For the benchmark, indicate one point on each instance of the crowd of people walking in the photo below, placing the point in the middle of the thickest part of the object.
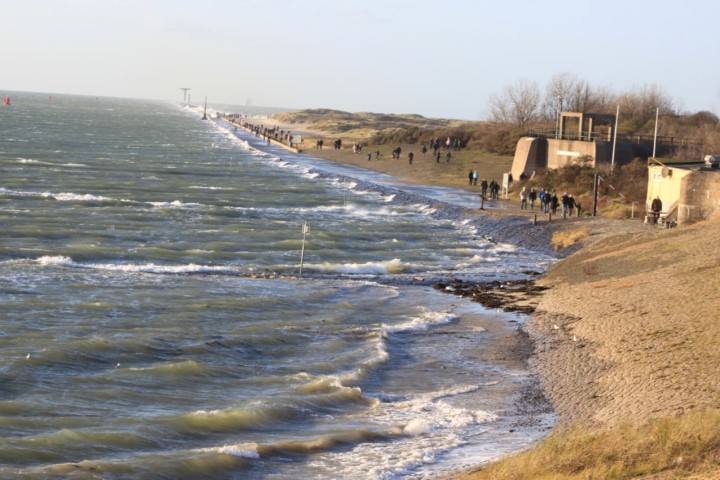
(492, 187)
(549, 202)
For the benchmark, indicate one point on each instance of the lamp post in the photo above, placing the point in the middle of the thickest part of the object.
(557, 120)
(657, 114)
(612, 159)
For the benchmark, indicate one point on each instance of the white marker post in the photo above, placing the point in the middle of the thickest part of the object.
(305, 230)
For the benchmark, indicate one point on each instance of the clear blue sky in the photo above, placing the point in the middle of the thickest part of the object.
(436, 58)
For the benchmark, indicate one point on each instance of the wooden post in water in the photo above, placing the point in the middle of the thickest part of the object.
(305, 230)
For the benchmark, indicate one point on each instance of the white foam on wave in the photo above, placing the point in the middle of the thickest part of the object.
(31, 161)
(332, 386)
(134, 268)
(421, 322)
(376, 268)
(368, 212)
(379, 355)
(53, 260)
(479, 259)
(320, 208)
(206, 187)
(241, 450)
(65, 196)
(416, 426)
(173, 204)
(424, 209)
(428, 426)
(70, 197)
(155, 268)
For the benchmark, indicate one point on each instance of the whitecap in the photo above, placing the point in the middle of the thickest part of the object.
(420, 322)
(53, 260)
(69, 197)
(242, 450)
(376, 268)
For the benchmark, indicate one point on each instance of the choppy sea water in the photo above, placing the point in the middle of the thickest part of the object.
(153, 323)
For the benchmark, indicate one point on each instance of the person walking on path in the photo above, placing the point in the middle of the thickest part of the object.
(564, 200)
(533, 196)
(523, 199)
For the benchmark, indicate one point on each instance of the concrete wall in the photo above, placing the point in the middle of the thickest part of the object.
(695, 193)
(530, 156)
(700, 196)
(668, 188)
(566, 152)
(537, 154)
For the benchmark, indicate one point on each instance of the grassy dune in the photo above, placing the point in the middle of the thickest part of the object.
(687, 446)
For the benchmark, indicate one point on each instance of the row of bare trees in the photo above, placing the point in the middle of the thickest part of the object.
(524, 104)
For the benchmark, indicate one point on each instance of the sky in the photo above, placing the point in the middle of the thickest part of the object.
(430, 57)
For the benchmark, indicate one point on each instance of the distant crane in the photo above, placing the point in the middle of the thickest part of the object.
(185, 94)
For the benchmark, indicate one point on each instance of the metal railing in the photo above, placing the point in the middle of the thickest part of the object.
(589, 136)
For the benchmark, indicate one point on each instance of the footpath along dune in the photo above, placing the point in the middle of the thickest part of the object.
(628, 329)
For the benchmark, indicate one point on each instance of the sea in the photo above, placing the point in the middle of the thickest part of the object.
(181, 300)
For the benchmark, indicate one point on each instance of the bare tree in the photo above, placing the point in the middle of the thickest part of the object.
(602, 100)
(641, 103)
(558, 92)
(582, 97)
(567, 92)
(518, 105)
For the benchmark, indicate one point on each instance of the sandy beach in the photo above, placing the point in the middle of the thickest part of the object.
(425, 169)
(627, 328)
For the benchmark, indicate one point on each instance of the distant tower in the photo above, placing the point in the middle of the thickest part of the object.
(185, 95)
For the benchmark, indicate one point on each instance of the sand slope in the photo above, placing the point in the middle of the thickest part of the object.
(630, 328)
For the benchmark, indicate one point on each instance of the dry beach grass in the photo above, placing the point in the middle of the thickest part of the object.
(627, 338)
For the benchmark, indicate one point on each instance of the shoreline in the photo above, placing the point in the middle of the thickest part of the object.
(607, 348)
